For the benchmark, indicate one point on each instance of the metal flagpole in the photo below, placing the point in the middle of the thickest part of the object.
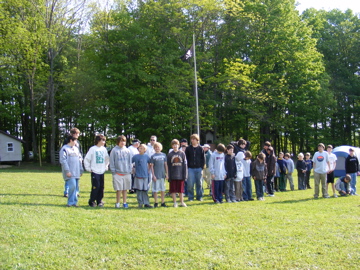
(196, 90)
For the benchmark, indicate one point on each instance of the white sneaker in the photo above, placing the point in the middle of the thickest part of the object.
(175, 205)
(335, 196)
(117, 205)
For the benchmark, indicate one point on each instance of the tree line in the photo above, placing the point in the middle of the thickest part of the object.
(264, 72)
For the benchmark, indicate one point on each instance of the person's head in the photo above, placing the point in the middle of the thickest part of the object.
(220, 148)
(307, 155)
(175, 145)
(261, 157)
(267, 144)
(153, 140)
(248, 155)
(351, 152)
(240, 156)
(329, 148)
(121, 141)
(281, 154)
(270, 150)
(142, 149)
(100, 140)
(158, 147)
(230, 149)
(300, 156)
(75, 132)
(347, 178)
(194, 139)
(287, 155)
(71, 140)
(321, 147)
(206, 147)
(242, 143)
(136, 143)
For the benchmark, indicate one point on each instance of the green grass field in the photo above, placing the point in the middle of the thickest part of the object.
(288, 231)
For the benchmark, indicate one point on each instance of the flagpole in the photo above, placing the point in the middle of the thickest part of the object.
(196, 90)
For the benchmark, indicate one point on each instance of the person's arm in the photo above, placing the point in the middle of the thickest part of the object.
(87, 160)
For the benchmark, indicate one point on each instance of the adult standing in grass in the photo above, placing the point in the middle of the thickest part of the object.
(330, 178)
(141, 182)
(96, 162)
(195, 157)
(121, 167)
(159, 171)
(351, 168)
(177, 172)
(72, 169)
(259, 172)
(321, 163)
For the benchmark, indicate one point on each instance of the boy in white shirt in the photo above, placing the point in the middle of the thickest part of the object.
(321, 165)
(97, 161)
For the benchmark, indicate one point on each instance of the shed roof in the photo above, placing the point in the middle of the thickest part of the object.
(13, 137)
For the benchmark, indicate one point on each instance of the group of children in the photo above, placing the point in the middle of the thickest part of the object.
(230, 172)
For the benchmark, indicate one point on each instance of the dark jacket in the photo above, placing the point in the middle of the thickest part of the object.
(195, 157)
(230, 166)
(300, 166)
(259, 170)
(282, 165)
(351, 164)
(271, 164)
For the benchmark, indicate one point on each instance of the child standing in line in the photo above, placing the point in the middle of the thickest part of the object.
(218, 172)
(282, 169)
(276, 177)
(247, 194)
(309, 166)
(96, 162)
(141, 181)
(239, 191)
(159, 171)
(72, 169)
(259, 172)
(121, 167)
(290, 170)
(230, 168)
(178, 172)
(301, 169)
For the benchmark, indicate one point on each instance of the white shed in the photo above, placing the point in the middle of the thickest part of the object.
(10, 148)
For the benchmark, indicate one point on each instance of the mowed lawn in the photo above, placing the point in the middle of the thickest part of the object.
(288, 231)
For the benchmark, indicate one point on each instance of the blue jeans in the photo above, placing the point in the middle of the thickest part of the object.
(353, 182)
(247, 194)
(218, 190)
(259, 186)
(66, 188)
(194, 178)
(343, 187)
(72, 195)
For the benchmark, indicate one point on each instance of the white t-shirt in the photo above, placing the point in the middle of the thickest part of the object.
(320, 162)
(96, 160)
(332, 161)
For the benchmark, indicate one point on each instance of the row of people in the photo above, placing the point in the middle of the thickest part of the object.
(230, 174)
